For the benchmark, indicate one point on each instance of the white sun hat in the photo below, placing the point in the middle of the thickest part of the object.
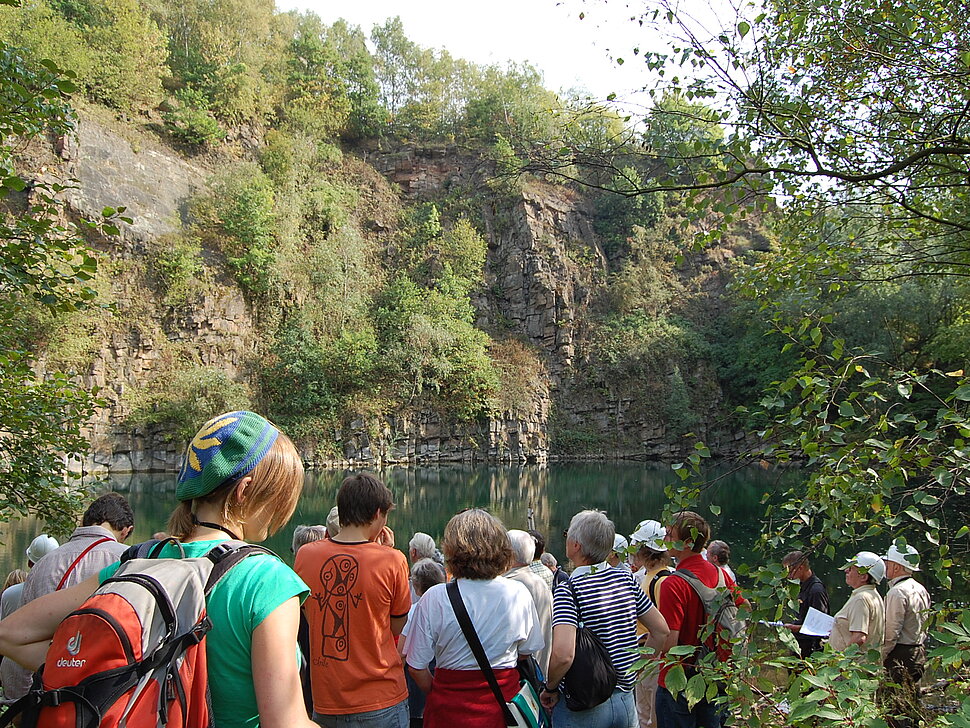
(906, 556)
(40, 547)
(868, 563)
(650, 534)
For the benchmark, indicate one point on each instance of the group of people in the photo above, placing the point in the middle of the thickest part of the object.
(381, 640)
(894, 625)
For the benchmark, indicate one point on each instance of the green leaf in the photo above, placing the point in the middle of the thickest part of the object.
(743, 28)
(695, 691)
(676, 680)
(14, 183)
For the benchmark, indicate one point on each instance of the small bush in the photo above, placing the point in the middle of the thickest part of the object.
(177, 263)
(181, 400)
(191, 121)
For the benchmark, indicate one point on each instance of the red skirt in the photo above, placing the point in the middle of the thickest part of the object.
(463, 698)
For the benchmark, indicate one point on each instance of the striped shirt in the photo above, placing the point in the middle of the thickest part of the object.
(610, 603)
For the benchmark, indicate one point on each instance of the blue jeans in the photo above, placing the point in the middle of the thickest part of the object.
(673, 713)
(394, 717)
(618, 712)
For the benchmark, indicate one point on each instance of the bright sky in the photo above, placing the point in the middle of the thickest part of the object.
(571, 52)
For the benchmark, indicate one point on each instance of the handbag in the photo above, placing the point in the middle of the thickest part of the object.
(524, 710)
(591, 679)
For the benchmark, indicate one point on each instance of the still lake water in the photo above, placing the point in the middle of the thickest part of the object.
(426, 497)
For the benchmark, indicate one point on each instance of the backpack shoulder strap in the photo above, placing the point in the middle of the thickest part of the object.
(150, 549)
(655, 582)
(226, 555)
(706, 594)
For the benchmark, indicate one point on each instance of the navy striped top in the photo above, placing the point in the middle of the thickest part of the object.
(610, 602)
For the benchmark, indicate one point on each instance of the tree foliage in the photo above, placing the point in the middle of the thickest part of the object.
(847, 125)
(45, 260)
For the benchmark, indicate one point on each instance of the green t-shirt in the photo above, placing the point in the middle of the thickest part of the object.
(241, 600)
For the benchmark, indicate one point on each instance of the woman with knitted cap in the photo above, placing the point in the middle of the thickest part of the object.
(240, 481)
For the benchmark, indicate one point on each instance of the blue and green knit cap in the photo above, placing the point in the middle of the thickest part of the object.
(227, 448)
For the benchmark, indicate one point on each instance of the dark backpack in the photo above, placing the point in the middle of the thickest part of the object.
(655, 582)
(133, 654)
(591, 679)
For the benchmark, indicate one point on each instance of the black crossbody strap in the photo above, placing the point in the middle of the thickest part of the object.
(579, 614)
(471, 636)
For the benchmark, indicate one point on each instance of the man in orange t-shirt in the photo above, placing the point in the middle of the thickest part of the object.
(358, 604)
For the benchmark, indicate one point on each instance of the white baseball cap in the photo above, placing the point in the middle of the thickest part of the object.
(650, 534)
(868, 563)
(906, 556)
(40, 547)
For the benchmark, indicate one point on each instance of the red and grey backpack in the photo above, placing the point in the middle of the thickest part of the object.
(133, 654)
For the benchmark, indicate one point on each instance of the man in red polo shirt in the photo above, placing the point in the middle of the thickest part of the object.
(683, 609)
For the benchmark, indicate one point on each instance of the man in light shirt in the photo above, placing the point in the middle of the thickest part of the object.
(523, 548)
(862, 620)
(903, 652)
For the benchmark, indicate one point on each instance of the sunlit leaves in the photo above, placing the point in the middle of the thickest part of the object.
(42, 258)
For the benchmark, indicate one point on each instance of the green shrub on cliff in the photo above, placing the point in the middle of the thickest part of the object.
(177, 263)
(190, 120)
(181, 398)
(238, 218)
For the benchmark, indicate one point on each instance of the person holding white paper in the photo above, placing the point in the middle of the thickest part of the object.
(812, 595)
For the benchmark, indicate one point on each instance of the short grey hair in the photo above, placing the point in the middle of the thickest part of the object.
(594, 533)
(423, 545)
(425, 573)
(523, 546)
(718, 552)
(302, 535)
(548, 560)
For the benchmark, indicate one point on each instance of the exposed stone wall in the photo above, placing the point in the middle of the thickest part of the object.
(542, 260)
(133, 170)
(543, 269)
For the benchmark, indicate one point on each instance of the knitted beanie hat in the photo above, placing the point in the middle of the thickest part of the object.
(226, 448)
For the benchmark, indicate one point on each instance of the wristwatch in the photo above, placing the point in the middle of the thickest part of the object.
(547, 689)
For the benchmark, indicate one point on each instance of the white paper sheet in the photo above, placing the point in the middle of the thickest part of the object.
(817, 624)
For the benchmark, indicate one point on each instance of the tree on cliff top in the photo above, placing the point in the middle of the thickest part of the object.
(864, 106)
(44, 259)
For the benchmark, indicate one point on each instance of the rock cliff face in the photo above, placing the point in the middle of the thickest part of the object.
(543, 267)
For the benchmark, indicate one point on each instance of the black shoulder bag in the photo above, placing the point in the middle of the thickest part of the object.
(591, 679)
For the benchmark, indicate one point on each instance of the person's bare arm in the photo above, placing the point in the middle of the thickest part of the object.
(560, 660)
(857, 638)
(276, 675)
(26, 634)
(654, 621)
(397, 624)
(422, 678)
(673, 639)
